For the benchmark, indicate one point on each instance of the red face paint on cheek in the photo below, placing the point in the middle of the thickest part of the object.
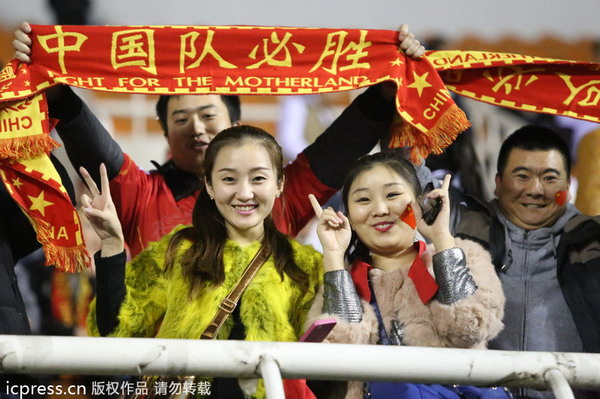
(408, 217)
(561, 197)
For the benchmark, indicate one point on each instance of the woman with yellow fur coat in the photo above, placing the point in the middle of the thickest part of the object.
(174, 287)
(445, 294)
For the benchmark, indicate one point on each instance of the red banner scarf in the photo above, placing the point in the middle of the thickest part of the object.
(523, 82)
(35, 185)
(263, 60)
(418, 273)
(196, 60)
(254, 60)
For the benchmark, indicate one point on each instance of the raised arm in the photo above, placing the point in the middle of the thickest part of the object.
(360, 126)
(86, 141)
(339, 296)
(468, 309)
(323, 165)
(110, 261)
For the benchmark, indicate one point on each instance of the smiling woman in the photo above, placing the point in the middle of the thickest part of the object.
(401, 291)
(244, 186)
(177, 286)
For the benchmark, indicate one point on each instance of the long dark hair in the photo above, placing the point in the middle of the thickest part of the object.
(202, 263)
(391, 159)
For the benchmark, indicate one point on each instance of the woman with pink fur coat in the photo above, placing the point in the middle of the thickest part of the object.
(445, 294)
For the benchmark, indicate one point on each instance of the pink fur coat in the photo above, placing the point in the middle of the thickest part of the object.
(467, 323)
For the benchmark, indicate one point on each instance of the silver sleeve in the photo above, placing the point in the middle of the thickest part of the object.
(340, 297)
(452, 276)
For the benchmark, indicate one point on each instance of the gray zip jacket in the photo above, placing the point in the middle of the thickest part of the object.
(536, 316)
(534, 300)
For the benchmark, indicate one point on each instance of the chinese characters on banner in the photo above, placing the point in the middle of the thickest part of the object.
(256, 60)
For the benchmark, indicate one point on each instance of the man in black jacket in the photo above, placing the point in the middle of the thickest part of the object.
(17, 239)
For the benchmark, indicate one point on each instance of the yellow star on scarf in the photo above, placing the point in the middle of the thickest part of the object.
(420, 82)
(27, 83)
(397, 62)
(17, 183)
(39, 203)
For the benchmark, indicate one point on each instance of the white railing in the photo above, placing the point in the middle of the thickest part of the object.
(273, 360)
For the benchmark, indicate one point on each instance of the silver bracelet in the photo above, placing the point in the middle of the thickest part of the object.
(452, 276)
(340, 297)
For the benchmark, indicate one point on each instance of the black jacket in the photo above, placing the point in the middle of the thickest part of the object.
(579, 276)
(17, 239)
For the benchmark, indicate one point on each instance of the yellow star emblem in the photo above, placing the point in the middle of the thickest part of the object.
(17, 183)
(420, 82)
(39, 203)
(397, 62)
(27, 83)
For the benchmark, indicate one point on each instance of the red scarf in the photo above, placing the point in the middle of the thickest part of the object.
(418, 273)
(255, 60)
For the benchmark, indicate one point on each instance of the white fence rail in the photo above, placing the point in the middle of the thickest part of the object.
(273, 360)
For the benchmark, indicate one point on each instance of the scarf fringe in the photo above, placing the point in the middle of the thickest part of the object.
(66, 259)
(27, 147)
(433, 141)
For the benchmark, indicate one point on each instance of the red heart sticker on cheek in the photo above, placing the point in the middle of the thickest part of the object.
(408, 217)
(561, 197)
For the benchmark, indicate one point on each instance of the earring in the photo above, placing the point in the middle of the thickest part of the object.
(277, 195)
(211, 198)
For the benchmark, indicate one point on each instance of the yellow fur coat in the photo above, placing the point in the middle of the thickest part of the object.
(157, 303)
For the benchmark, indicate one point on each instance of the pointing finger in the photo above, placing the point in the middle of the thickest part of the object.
(446, 183)
(316, 206)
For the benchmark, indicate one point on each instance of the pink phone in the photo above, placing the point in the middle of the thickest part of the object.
(318, 330)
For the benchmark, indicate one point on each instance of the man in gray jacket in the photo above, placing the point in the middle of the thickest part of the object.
(542, 247)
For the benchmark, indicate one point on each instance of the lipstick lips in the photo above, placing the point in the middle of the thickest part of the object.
(382, 227)
(245, 209)
(408, 217)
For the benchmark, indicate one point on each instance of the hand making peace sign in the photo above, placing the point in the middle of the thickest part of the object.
(101, 213)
